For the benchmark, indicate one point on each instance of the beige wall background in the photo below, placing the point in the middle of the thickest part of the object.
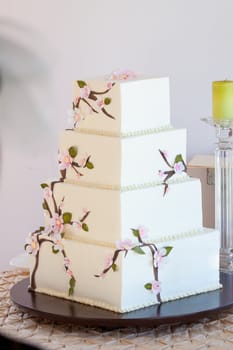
(44, 45)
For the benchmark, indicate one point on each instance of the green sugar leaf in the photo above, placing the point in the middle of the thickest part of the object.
(72, 282)
(107, 101)
(135, 232)
(55, 251)
(73, 151)
(168, 250)
(178, 158)
(67, 218)
(89, 165)
(44, 185)
(138, 250)
(85, 227)
(148, 286)
(41, 228)
(72, 285)
(114, 267)
(81, 83)
(44, 206)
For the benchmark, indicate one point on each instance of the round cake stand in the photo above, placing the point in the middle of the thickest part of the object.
(183, 310)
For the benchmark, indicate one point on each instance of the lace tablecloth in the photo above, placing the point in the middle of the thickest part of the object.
(215, 332)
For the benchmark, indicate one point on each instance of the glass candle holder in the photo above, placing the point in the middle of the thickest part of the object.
(224, 189)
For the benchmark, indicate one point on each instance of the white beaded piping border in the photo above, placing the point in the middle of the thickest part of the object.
(123, 134)
(119, 310)
(180, 179)
(165, 238)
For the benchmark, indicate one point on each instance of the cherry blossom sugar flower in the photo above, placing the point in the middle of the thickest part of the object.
(156, 287)
(109, 84)
(65, 160)
(47, 193)
(69, 272)
(179, 167)
(122, 74)
(85, 91)
(159, 255)
(143, 232)
(75, 117)
(161, 173)
(100, 103)
(126, 244)
(67, 262)
(85, 211)
(76, 100)
(32, 245)
(77, 225)
(56, 224)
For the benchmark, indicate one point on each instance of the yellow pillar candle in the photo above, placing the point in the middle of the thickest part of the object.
(222, 99)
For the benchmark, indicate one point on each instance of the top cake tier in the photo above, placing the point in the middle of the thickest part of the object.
(121, 107)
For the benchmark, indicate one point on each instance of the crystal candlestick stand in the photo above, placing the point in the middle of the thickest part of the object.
(224, 190)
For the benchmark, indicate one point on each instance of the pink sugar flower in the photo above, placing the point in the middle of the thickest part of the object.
(159, 257)
(143, 232)
(122, 74)
(126, 244)
(109, 85)
(56, 224)
(69, 272)
(179, 167)
(67, 262)
(64, 160)
(32, 245)
(85, 92)
(156, 287)
(77, 116)
(100, 103)
(77, 225)
(85, 211)
(161, 173)
(76, 100)
(47, 193)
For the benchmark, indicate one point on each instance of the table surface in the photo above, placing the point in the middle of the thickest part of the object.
(214, 332)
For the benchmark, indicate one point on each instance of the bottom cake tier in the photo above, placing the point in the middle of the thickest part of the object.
(133, 274)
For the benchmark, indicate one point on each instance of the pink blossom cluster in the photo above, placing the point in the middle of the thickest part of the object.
(158, 257)
(32, 244)
(56, 226)
(179, 167)
(122, 74)
(67, 263)
(126, 244)
(47, 193)
(64, 160)
(156, 287)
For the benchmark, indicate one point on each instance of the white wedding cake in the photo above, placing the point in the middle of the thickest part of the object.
(123, 225)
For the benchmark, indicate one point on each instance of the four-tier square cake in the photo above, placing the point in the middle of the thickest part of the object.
(123, 224)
